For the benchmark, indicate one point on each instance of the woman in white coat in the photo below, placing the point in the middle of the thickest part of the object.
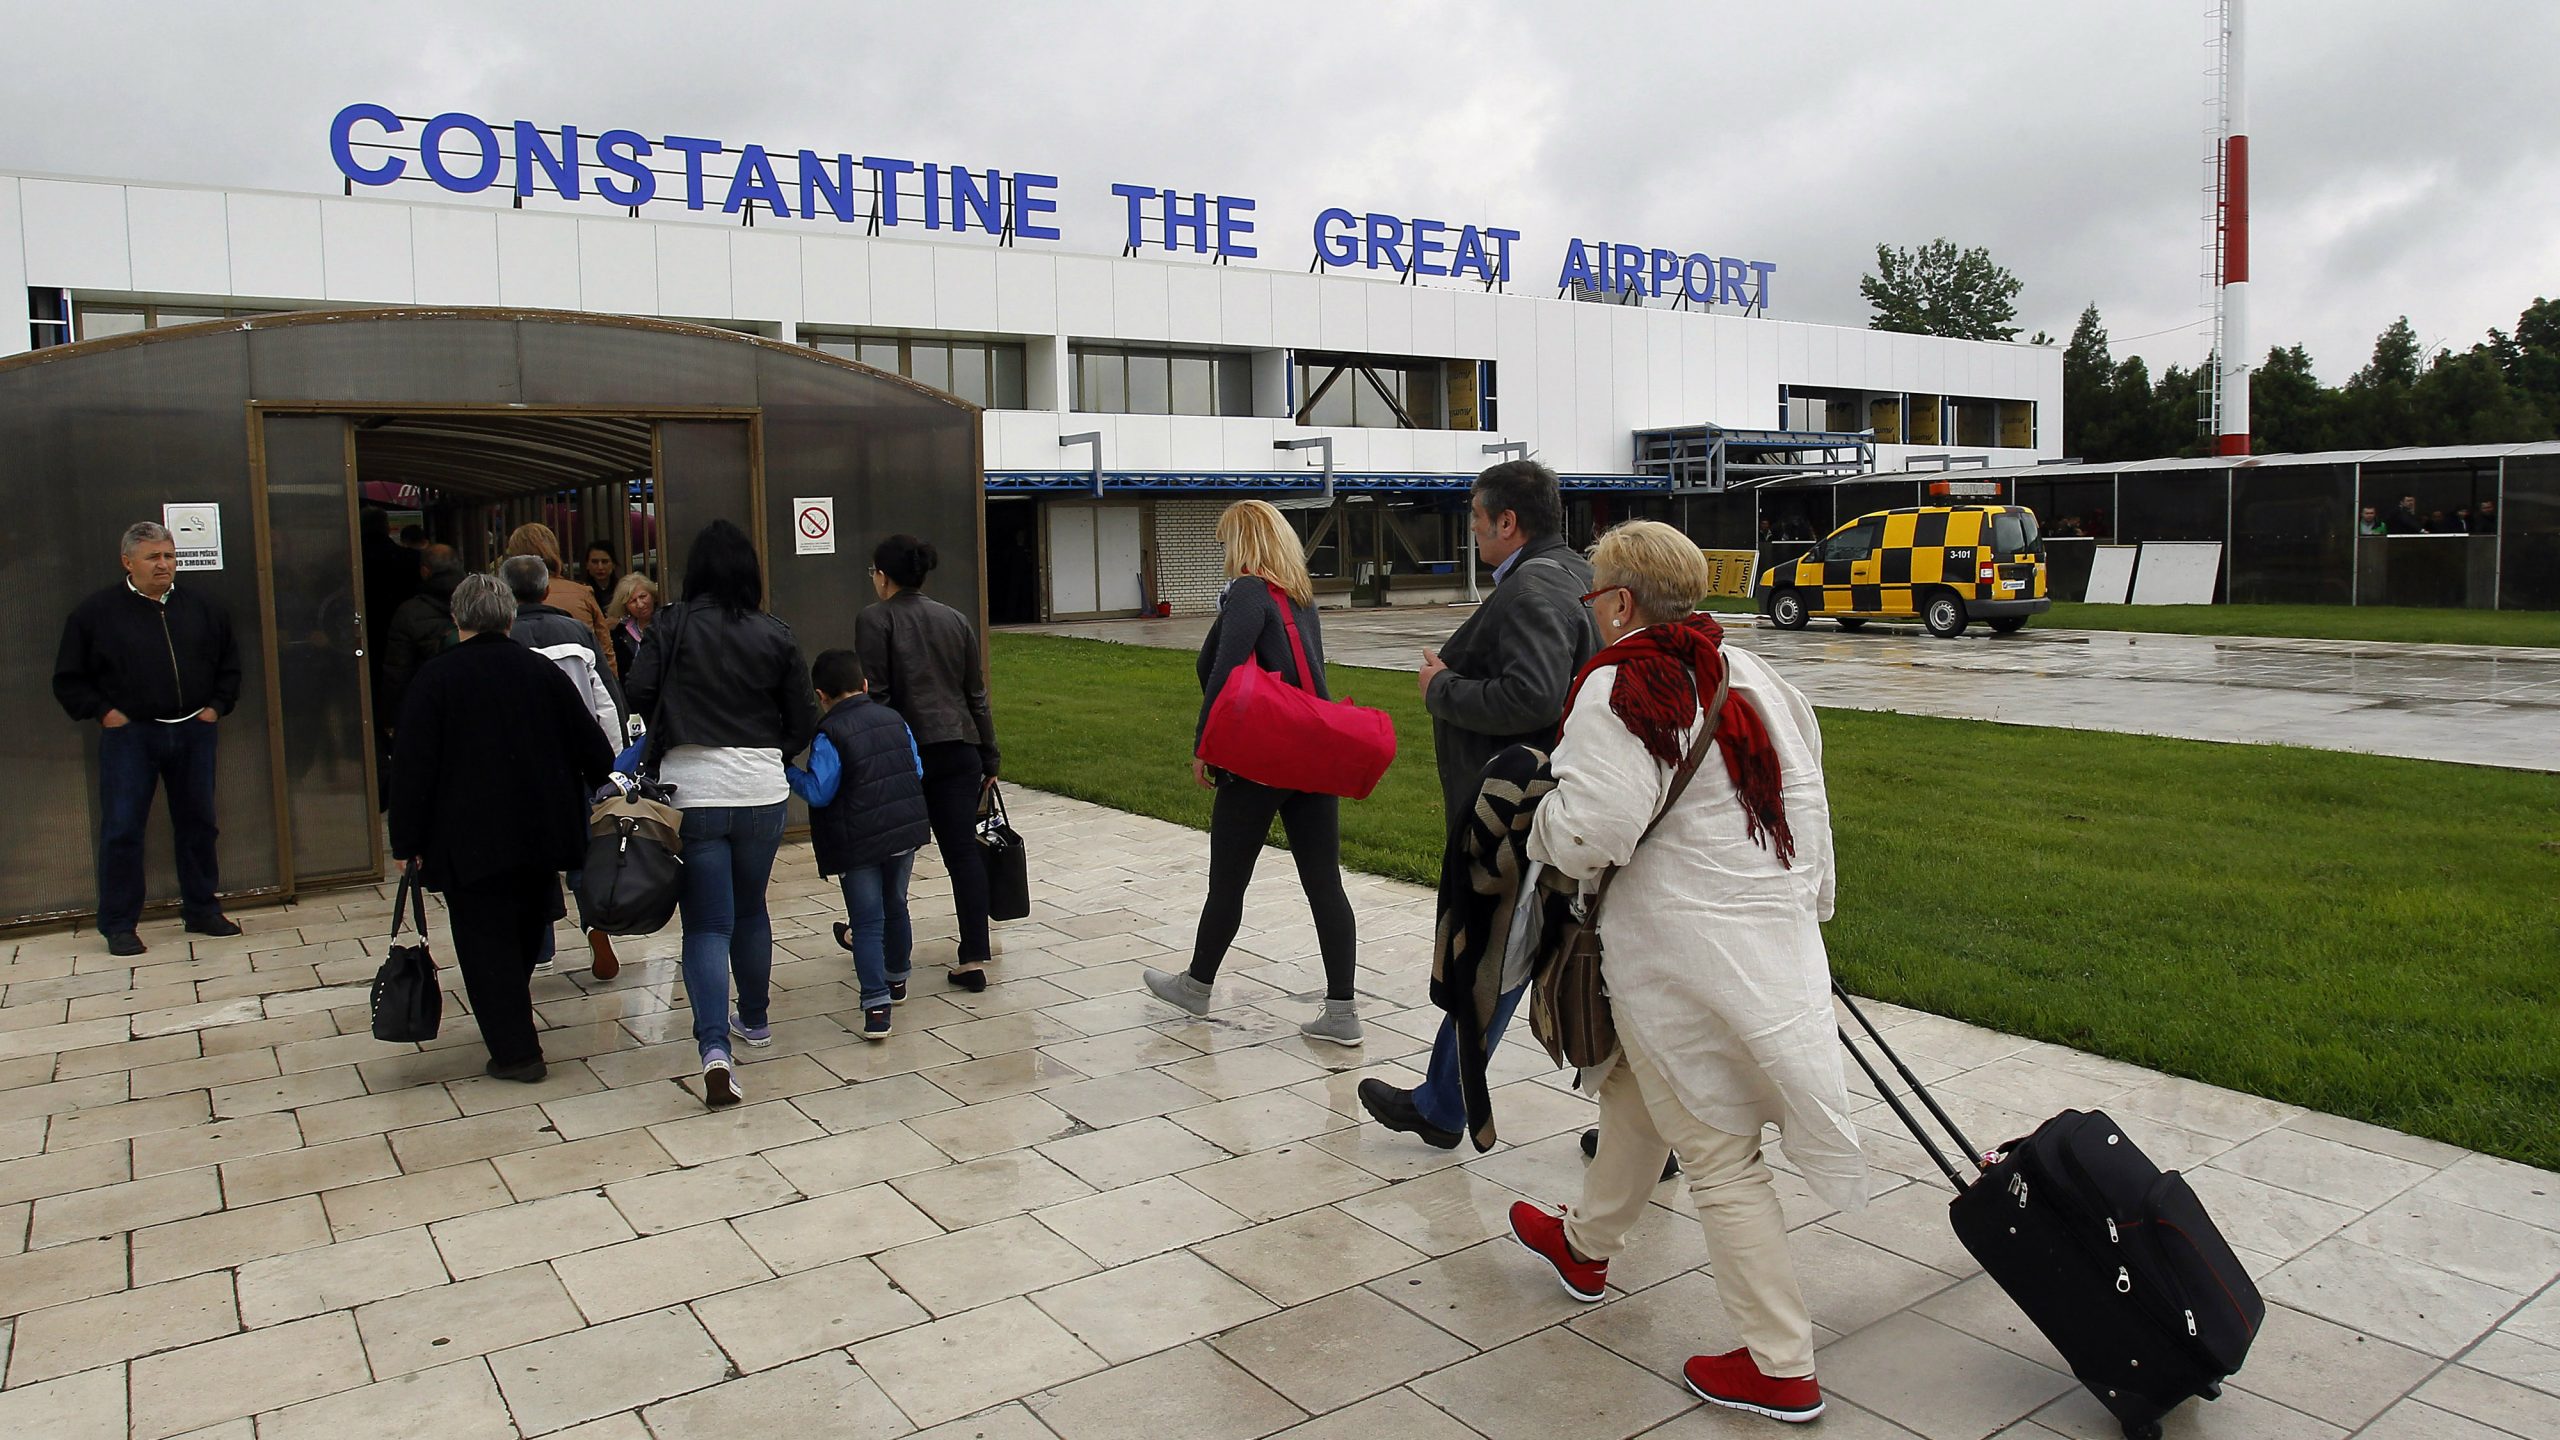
(1712, 957)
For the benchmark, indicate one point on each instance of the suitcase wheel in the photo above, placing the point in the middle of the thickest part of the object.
(2147, 1430)
(2211, 1391)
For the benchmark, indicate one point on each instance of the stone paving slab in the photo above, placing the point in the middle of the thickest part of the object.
(1060, 1209)
(2472, 704)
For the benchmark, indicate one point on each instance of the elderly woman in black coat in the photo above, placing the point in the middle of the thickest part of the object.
(495, 759)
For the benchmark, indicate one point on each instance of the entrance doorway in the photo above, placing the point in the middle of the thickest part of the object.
(1097, 560)
(473, 476)
(1013, 560)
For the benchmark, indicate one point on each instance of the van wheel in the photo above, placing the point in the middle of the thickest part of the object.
(1786, 610)
(1944, 615)
(2009, 626)
(1847, 624)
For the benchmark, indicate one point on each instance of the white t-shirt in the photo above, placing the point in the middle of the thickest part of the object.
(707, 776)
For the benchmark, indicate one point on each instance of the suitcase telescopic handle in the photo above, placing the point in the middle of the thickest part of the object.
(1910, 1121)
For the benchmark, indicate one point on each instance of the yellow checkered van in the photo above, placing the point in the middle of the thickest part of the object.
(1945, 566)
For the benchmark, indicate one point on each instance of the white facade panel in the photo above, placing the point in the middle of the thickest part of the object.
(1793, 362)
(1663, 371)
(835, 280)
(1761, 409)
(964, 288)
(764, 275)
(181, 241)
(1557, 381)
(1295, 319)
(692, 272)
(1140, 306)
(14, 319)
(902, 287)
(1390, 321)
(75, 235)
(275, 247)
(538, 261)
(1244, 307)
(364, 247)
(1435, 322)
(1192, 297)
(618, 268)
(1026, 293)
(1146, 443)
(453, 255)
(1342, 314)
(1084, 296)
(1479, 324)
(1195, 441)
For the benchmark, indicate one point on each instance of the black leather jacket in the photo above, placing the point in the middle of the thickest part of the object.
(920, 657)
(736, 680)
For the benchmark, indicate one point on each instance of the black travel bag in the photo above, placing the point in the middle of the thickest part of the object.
(2113, 1259)
(408, 1006)
(1008, 867)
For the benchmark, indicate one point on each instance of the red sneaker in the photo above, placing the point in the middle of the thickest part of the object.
(1732, 1379)
(1584, 1280)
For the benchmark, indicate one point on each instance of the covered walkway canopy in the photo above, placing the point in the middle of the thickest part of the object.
(629, 431)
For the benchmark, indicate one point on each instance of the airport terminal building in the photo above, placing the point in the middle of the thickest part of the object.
(1126, 399)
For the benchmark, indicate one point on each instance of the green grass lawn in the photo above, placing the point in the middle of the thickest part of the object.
(2374, 937)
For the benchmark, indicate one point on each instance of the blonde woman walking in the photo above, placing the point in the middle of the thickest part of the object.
(1270, 571)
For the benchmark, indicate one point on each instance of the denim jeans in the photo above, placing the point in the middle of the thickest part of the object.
(728, 857)
(1441, 1099)
(133, 760)
(875, 912)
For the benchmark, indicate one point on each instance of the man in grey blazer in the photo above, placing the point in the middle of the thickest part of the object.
(1500, 681)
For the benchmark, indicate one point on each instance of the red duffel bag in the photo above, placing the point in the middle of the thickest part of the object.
(1273, 733)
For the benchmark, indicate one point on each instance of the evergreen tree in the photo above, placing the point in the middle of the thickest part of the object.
(2088, 372)
(2466, 400)
(2290, 411)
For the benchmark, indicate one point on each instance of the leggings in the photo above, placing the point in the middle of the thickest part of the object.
(1238, 823)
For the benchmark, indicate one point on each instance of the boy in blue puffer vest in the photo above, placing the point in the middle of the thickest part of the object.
(866, 818)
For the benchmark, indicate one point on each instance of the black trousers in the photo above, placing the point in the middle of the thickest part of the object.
(1239, 821)
(953, 781)
(498, 927)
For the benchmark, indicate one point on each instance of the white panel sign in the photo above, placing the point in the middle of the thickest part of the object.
(2110, 574)
(813, 525)
(198, 531)
(2177, 572)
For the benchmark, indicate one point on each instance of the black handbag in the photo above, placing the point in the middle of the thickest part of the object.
(634, 872)
(408, 1005)
(1568, 1003)
(1008, 869)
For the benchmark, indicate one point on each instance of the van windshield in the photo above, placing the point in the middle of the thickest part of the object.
(2013, 532)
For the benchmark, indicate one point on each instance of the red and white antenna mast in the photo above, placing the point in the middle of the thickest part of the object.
(2230, 239)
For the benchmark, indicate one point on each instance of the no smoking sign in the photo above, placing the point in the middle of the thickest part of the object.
(813, 524)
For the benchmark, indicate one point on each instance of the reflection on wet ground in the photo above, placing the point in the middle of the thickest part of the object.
(2479, 705)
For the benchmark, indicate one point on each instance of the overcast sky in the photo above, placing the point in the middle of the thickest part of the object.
(2403, 163)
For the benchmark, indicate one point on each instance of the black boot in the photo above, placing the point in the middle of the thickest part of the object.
(1394, 1109)
(1591, 1149)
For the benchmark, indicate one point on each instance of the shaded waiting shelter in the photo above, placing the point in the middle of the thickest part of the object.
(2288, 524)
(469, 422)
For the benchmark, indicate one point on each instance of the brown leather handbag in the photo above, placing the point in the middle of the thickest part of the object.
(1568, 1003)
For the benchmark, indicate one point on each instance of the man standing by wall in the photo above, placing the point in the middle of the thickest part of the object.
(156, 666)
(1500, 681)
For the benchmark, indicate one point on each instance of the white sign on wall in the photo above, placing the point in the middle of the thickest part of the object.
(198, 531)
(813, 525)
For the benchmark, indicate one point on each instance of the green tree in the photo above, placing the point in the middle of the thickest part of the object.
(2466, 400)
(1939, 290)
(2088, 374)
(2377, 409)
(2532, 357)
(2290, 411)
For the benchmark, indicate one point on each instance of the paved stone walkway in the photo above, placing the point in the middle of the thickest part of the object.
(1059, 1208)
(2476, 705)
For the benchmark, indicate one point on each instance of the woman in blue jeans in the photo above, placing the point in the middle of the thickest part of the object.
(728, 699)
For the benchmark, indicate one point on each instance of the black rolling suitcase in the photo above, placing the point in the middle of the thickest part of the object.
(2116, 1262)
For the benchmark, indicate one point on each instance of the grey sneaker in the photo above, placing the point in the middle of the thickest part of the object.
(1338, 1022)
(1179, 991)
(720, 1081)
(757, 1035)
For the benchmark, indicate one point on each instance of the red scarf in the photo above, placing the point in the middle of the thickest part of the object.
(1665, 673)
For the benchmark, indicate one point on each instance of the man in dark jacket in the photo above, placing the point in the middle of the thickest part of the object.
(422, 628)
(156, 666)
(489, 785)
(541, 625)
(1500, 681)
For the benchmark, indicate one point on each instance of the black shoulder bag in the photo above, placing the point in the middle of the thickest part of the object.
(408, 1005)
